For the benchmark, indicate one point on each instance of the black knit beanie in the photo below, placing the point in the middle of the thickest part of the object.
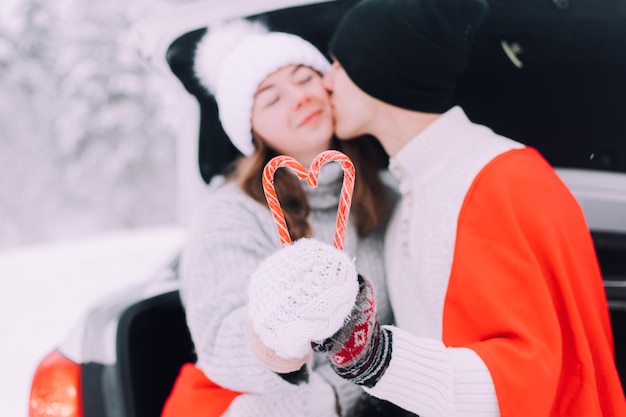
(408, 53)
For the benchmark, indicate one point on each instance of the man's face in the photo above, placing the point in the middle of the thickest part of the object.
(353, 108)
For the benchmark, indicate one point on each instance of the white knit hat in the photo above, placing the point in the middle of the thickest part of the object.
(233, 58)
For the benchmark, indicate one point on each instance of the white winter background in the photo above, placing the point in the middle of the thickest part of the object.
(87, 172)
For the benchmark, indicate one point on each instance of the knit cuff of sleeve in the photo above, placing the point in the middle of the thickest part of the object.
(427, 378)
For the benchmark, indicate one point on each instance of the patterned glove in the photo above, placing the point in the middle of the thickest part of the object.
(309, 294)
(360, 351)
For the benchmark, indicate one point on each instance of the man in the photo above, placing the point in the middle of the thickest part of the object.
(492, 274)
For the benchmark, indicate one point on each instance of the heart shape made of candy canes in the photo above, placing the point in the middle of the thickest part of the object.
(311, 175)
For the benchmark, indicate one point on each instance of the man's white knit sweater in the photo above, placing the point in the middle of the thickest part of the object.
(230, 235)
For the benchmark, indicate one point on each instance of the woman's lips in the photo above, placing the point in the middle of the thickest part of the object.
(311, 118)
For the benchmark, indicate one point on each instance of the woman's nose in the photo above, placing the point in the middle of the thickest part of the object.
(300, 96)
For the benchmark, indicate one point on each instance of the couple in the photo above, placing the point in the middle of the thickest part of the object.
(489, 268)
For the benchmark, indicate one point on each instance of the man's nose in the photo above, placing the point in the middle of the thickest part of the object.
(329, 79)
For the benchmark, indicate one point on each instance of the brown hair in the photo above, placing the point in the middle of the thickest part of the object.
(371, 200)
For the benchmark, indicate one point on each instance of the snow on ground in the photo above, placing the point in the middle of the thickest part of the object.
(44, 289)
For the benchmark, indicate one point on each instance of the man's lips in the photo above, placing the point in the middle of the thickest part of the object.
(311, 118)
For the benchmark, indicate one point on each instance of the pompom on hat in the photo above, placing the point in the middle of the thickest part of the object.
(234, 57)
(408, 53)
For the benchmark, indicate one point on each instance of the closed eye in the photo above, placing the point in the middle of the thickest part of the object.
(304, 80)
(271, 100)
(267, 97)
(302, 75)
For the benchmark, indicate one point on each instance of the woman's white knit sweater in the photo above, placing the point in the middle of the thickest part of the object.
(228, 238)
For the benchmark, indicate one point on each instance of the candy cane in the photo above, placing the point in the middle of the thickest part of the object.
(272, 197)
(347, 188)
(343, 211)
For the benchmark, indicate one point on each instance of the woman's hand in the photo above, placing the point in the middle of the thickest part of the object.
(271, 360)
(310, 294)
(303, 292)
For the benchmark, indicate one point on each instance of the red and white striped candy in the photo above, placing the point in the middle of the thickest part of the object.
(311, 175)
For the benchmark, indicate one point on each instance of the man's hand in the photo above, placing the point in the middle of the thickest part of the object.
(360, 351)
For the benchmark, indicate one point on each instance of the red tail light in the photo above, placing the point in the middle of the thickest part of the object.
(55, 390)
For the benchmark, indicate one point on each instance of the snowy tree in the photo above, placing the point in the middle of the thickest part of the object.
(85, 143)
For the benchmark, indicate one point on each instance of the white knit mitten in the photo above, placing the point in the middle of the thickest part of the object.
(309, 294)
(304, 292)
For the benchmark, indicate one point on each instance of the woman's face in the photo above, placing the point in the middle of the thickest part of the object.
(292, 113)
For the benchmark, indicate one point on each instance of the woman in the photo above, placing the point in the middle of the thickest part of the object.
(271, 101)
